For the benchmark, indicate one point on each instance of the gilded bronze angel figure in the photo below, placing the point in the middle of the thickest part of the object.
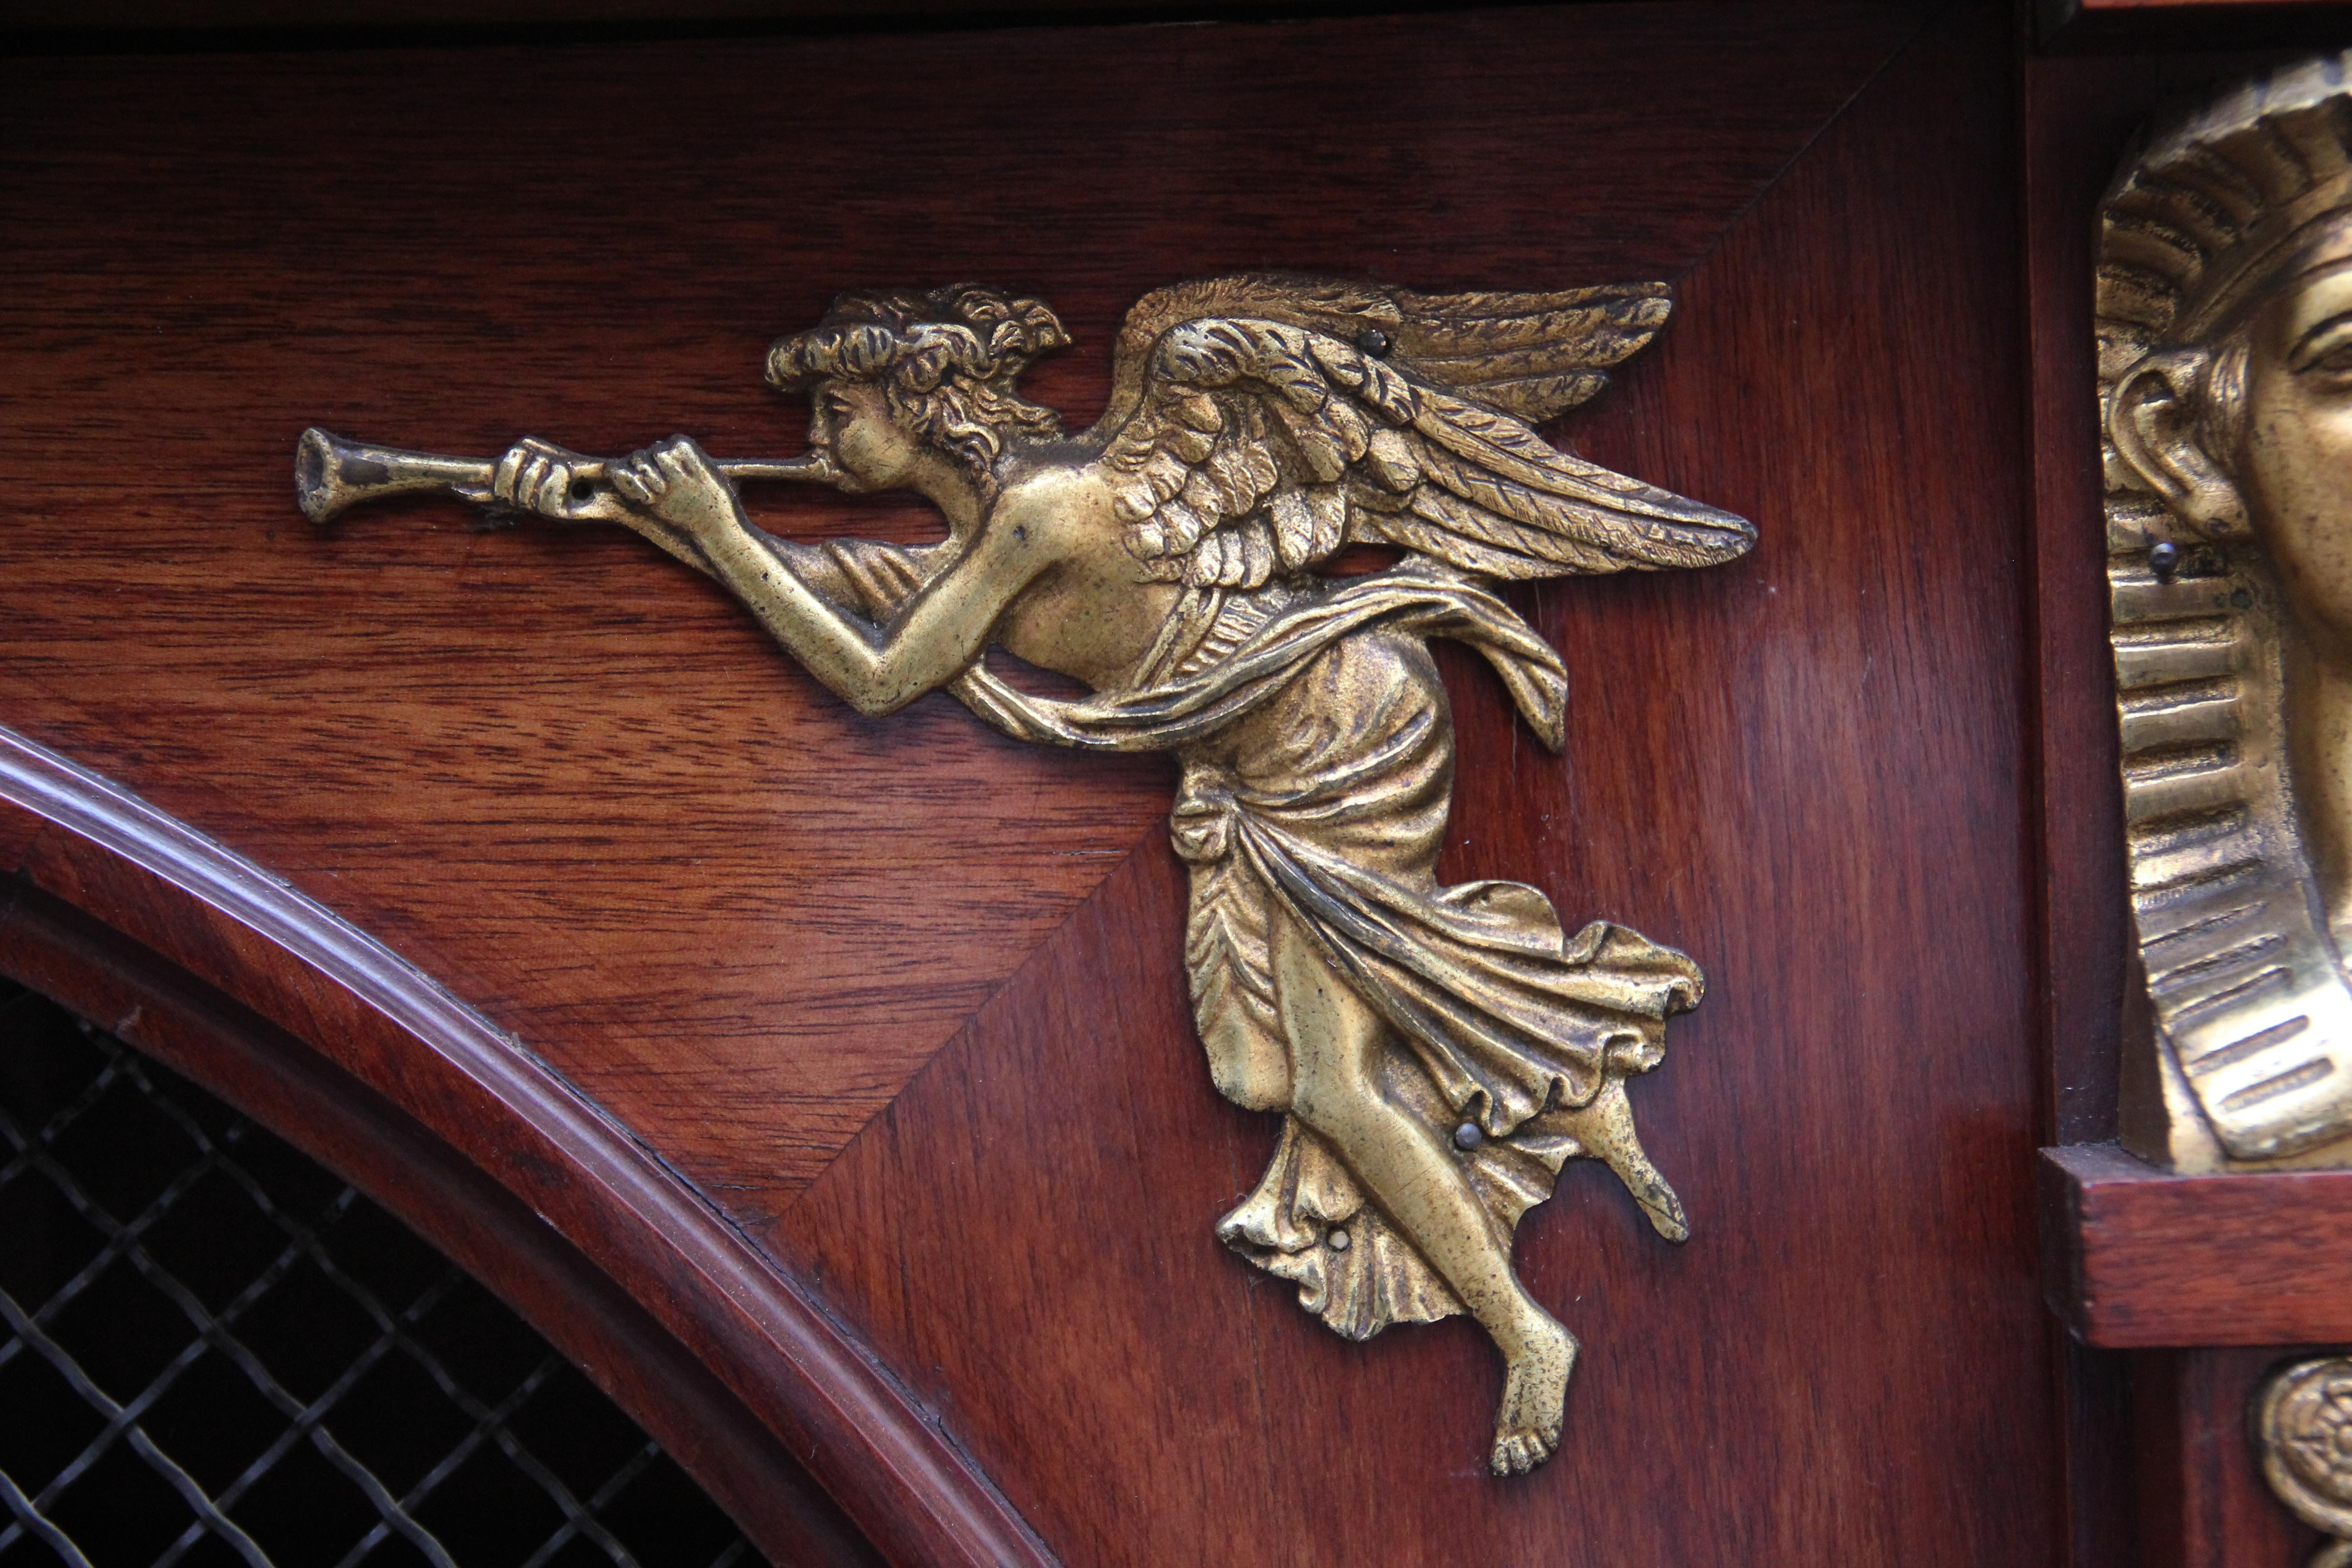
(1438, 1053)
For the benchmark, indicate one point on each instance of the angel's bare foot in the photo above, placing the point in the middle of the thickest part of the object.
(1535, 1398)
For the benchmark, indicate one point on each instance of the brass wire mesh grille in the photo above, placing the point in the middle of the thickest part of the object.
(213, 1352)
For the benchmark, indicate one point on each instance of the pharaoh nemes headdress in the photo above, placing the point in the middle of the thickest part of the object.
(2216, 201)
(2248, 988)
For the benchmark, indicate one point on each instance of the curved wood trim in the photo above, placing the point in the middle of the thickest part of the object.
(286, 1086)
(199, 908)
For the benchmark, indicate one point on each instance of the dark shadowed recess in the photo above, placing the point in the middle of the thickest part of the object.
(144, 26)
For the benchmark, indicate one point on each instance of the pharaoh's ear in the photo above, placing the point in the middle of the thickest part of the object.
(2156, 420)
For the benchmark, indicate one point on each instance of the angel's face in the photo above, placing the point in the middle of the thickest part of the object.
(870, 448)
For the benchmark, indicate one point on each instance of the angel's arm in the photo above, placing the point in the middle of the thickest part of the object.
(822, 567)
(934, 636)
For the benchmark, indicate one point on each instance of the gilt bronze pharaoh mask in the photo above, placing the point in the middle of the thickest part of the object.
(2225, 377)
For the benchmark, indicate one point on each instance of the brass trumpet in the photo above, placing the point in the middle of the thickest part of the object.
(331, 474)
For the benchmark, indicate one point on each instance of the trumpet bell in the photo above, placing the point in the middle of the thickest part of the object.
(331, 474)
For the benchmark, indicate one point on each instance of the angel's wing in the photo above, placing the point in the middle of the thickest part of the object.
(1247, 444)
(1534, 355)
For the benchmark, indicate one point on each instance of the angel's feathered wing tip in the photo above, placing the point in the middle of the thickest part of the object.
(1534, 356)
(1735, 536)
(1502, 500)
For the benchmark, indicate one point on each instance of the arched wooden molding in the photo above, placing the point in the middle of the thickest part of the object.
(273, 1001)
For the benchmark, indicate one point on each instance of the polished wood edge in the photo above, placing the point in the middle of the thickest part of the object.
(2137, 1258)
(227, 922)
(282, 1083)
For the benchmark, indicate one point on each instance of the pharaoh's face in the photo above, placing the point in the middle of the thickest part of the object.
(872, 450)
(2293, 467)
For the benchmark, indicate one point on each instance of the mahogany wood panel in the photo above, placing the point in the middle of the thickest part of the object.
(1806, 769)
(2138, 1257)
(290, 1088)
(2076, 116)
(221, 921)
(2207, 1503)
(559, 774)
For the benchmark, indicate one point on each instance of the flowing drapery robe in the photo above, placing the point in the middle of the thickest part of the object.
(1318, 755)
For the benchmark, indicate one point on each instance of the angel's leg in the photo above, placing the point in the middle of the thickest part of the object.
(1336, 1039)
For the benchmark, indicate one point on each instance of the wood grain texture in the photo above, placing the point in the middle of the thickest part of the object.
(2138, 1257)
(1805, 769)
(558, 772)
(2205, 1502)
(285, 1085)
(151, 885)
(2077, 114)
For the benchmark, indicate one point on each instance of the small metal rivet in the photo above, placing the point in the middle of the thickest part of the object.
(1468, 1136)
(1373, 342)
(2164, 560)
(2243, 599)
(1339, 1241)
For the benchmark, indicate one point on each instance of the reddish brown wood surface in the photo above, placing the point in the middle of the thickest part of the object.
(2138, 1257)
(2077, 114)
(1805, 770)
(2206, 1503)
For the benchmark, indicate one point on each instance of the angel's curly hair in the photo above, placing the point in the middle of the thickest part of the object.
(947, 359)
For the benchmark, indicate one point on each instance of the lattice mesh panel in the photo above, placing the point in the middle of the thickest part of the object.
(213, 1352)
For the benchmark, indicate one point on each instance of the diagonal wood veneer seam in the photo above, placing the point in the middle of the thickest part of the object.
(1157, 831)
(1930, 16)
